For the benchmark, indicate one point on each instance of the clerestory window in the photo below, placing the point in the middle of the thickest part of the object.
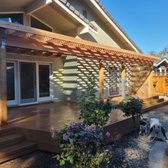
(13, 18)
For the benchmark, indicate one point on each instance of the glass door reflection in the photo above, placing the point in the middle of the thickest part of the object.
(28, 91)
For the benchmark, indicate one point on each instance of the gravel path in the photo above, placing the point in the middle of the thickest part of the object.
(129, 152)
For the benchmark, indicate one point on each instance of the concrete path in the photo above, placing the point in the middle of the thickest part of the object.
(157, 155)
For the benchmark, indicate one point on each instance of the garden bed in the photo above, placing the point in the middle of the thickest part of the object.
(129, 152)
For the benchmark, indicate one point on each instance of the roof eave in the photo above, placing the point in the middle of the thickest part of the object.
(114, 24)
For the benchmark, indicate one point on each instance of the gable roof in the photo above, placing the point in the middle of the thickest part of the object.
(30, 6)
(160, 62)
(100, 9)
(108, 14)
(113, 22)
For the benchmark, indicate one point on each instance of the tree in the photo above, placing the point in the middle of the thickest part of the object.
(163, 53)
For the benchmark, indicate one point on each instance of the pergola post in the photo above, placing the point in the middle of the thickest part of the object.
(152, 84)
(3, 92)
(101, 81)
(123, 78)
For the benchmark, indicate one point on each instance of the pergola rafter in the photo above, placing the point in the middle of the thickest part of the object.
(41, 41)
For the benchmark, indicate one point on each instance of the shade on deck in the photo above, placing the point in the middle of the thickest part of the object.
(27, 41)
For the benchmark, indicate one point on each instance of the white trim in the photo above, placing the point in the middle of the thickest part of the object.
(17, 82)
(20, 99)
(37, 81)
(73, 15)
(25, 104)
(113, 24)
(165, 59)
(13, 102)
(37, 5)
(12, 12)
(48, 98)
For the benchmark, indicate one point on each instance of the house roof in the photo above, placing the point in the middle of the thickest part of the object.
(96, 4)
(158, 63)
(30, 41)
(118, 26)
(30, 6)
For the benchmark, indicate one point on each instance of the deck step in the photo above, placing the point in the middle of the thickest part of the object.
(11, 139)
(14, 144)
(153, 100)
(151, 107)
(16, 150)
(7, 131)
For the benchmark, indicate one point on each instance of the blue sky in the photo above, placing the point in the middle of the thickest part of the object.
(145, 21)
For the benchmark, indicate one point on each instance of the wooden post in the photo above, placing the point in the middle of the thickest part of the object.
(123, 78)
(101, 81)
(3, 93)
(152, 84)
(123, 74)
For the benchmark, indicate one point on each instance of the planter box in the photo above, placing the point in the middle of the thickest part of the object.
(121, 128)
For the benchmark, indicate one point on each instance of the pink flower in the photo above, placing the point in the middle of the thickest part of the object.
(108, 135)
(65, 137)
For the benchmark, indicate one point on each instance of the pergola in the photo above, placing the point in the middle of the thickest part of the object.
(25, 40)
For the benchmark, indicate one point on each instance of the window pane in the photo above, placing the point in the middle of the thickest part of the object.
(10, 81)
(114, 81)
(44, 81)
(37, 24)
(14, 18)
(28, 82)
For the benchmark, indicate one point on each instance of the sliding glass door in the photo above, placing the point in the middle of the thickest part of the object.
(11, 83)
(28, 89)
(28, 82)
(44, 81)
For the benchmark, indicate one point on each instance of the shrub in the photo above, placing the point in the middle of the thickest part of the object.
(132, 106)
(94, 112)
(82, 143)
(82, 146)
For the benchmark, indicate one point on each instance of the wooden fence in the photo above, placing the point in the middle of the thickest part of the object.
(160, 84)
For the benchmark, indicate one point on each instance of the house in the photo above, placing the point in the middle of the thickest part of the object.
(161, 67)
(50, 47)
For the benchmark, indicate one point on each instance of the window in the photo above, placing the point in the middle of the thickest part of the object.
(13, 18)
(10, 81)
(85, 13)
(37, 24)
(44, 80)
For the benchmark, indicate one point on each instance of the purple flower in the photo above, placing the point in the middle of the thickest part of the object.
(89, 130)
(108, 134)
(65, 136)
(72, 126)
(82, 141)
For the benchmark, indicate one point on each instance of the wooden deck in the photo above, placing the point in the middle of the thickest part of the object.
(43, 116)
(35, 122)
(49, 115)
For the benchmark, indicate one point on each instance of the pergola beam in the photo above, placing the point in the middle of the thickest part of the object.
(101, 81)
